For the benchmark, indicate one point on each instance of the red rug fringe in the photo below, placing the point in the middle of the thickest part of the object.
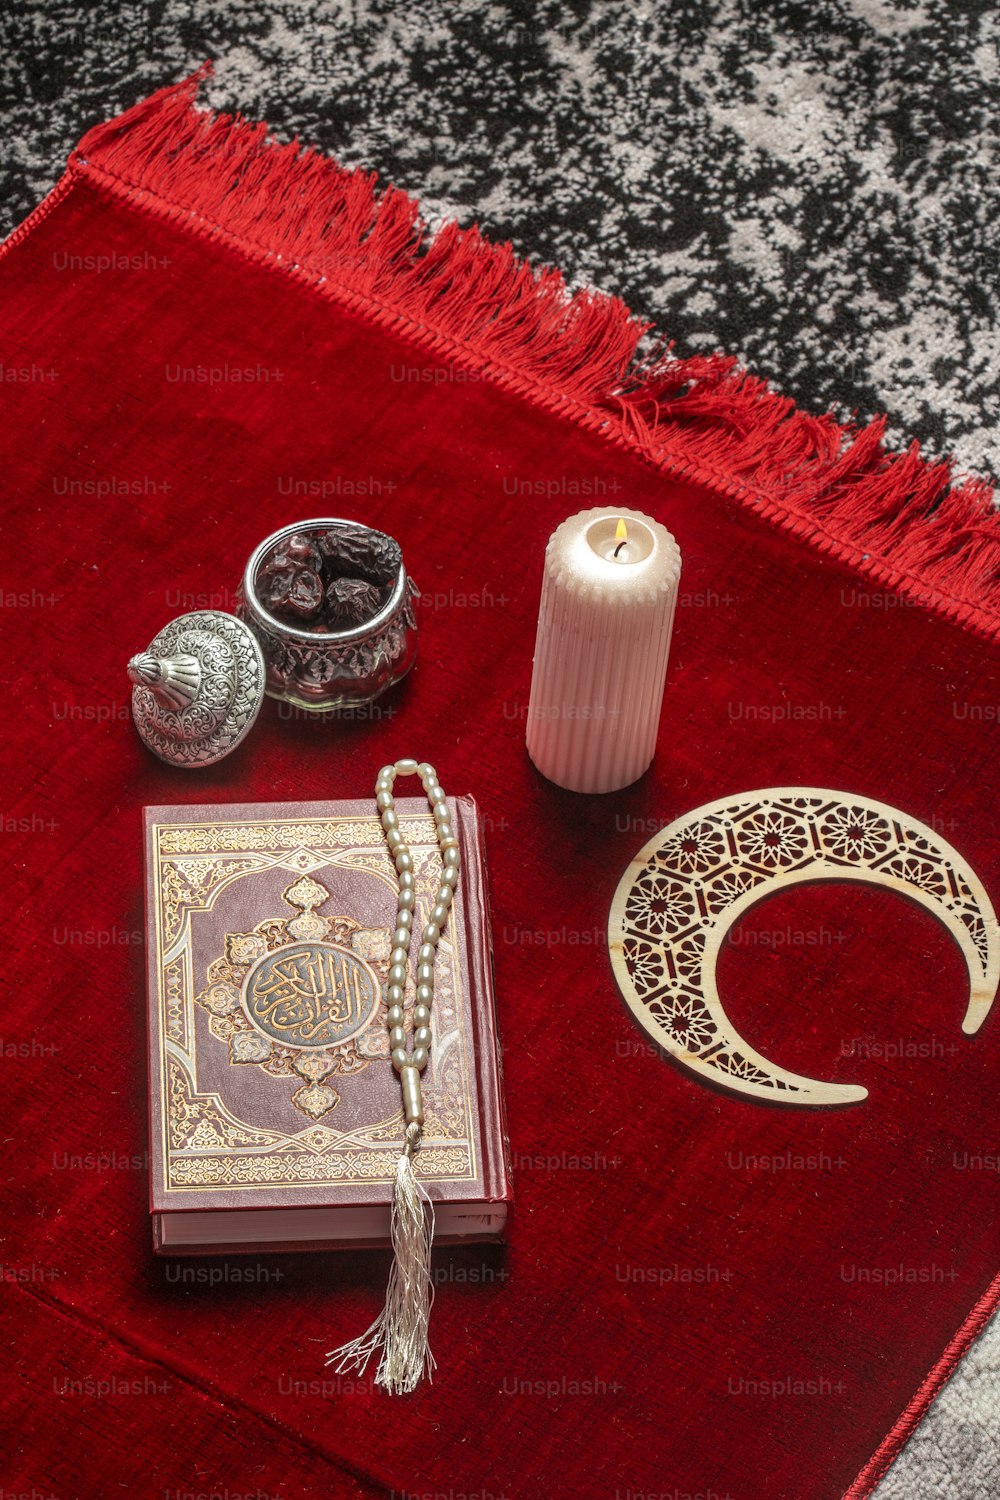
(894, 517)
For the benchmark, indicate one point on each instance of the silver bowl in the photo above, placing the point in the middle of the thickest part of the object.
(320, 671)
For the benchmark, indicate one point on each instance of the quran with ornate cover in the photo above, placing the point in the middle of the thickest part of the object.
(275, 1115)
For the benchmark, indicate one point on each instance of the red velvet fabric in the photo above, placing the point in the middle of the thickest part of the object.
(686, 1306)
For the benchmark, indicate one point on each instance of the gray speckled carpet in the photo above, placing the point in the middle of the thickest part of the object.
(813, 187)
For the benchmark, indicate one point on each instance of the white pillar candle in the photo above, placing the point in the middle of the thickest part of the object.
(608, 600)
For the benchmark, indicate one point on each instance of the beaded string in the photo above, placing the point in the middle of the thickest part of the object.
(400, 1330)
(409, 1064)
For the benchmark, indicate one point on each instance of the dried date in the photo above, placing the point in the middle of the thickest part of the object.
(350, 602)
(370, 555)
(291, 592)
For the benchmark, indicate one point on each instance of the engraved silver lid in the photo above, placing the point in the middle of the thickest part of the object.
(198, 688)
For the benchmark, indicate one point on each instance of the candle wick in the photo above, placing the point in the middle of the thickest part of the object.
(619, 548)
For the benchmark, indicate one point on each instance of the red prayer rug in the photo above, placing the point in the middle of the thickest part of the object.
(207, 335)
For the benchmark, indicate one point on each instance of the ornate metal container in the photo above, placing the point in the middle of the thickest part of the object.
(320, 669)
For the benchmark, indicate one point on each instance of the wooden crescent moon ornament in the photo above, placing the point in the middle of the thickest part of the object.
(689, 884)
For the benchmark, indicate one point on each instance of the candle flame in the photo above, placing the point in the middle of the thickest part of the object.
(621, 531)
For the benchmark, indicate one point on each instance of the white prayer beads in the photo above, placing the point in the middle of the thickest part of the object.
(410, 1062)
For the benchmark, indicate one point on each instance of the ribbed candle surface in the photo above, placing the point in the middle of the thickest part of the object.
(604, 628)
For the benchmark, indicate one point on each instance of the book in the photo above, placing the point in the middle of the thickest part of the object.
(275, 1114)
